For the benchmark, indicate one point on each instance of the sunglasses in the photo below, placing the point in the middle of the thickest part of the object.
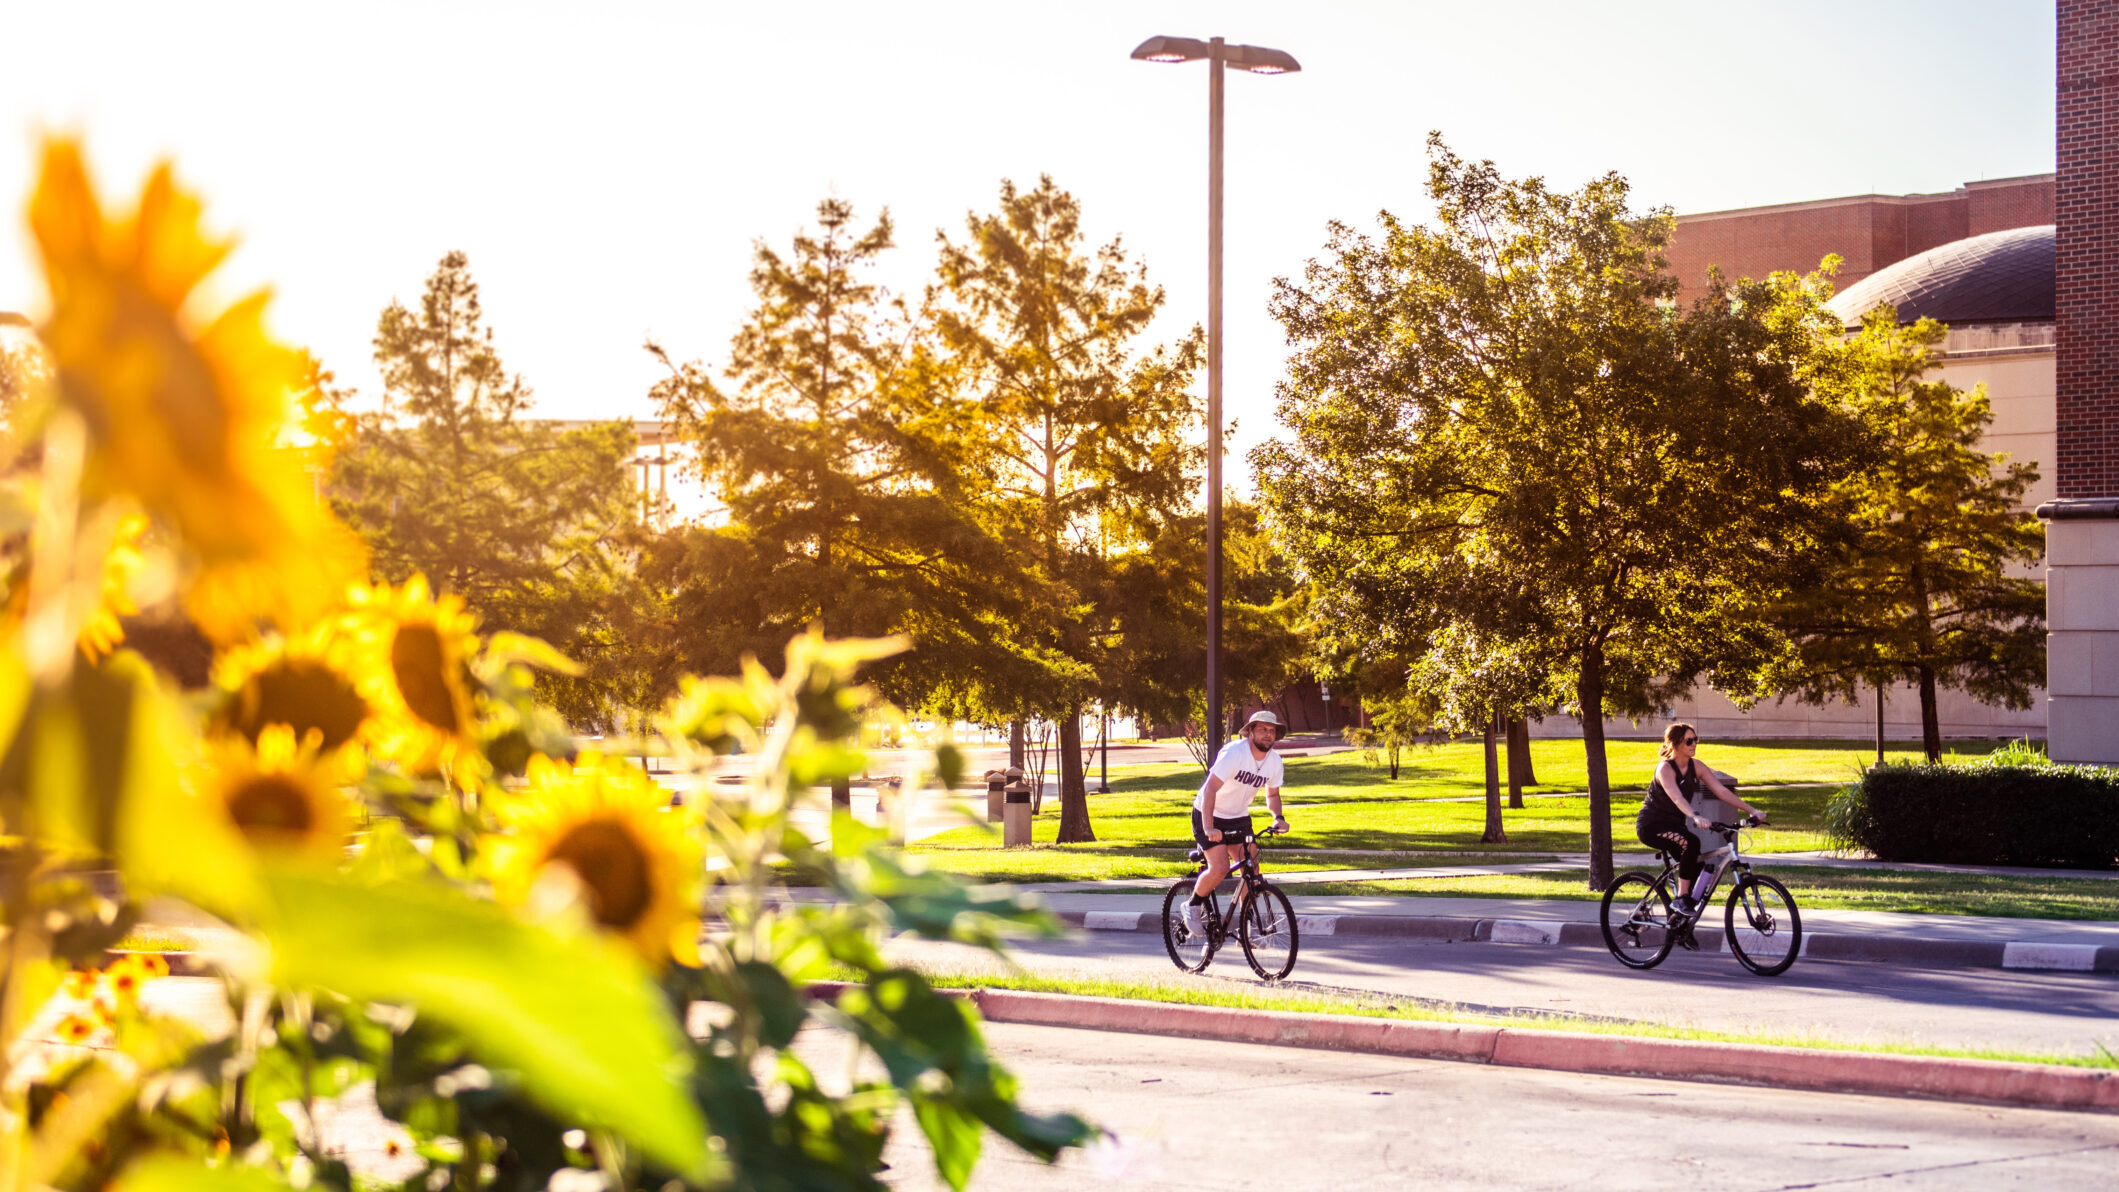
(1690, 741)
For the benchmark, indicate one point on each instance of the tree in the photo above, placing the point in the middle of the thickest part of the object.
(1086, 442)
(1474, 680)
(1508, 401)
(1918, 588)
(1152, 644)
(837, 446)
(529, 523)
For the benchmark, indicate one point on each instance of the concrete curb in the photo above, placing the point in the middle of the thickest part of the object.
(1940, 1078)
(1912, 951)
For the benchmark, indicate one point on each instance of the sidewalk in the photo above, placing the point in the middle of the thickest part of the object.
(1920, 941)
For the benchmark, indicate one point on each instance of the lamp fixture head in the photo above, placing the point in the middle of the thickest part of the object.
(1171, 49)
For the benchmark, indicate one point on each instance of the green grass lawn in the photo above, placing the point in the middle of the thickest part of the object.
(1838, 889)
(1107, 862)
(1153, 816)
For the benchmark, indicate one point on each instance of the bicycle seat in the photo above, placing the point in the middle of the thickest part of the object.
(1196, 855)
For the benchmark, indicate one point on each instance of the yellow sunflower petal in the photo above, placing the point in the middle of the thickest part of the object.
(187, 420)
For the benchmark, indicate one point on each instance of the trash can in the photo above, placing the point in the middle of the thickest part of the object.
(1015, 823)
(1715, 811)
(996, 790)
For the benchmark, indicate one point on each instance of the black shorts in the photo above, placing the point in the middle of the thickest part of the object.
(1232, 829)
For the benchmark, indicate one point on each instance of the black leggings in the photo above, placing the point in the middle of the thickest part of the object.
(1670, 835)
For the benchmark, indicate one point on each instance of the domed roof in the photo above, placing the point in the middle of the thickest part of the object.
(2001, 277)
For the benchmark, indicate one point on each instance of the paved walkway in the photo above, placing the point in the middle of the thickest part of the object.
(1969, 928)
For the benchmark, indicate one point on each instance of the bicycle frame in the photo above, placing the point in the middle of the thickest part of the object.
(1249, 880)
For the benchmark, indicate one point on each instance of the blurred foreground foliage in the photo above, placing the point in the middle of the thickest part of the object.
(447, 912)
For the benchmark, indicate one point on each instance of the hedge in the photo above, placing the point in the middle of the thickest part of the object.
(1983, 814)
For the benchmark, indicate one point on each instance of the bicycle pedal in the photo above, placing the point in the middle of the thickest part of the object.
(1687, 942)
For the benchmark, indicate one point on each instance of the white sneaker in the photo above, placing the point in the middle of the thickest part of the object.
(1193, 922)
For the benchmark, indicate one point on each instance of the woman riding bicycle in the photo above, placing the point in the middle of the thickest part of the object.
(1666, 813)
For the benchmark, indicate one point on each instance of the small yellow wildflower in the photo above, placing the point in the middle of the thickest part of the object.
(79, 984)
(611, 826)
(128, 973)
(77, 1028)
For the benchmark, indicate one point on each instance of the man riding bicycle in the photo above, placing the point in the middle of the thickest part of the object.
(1221, 812)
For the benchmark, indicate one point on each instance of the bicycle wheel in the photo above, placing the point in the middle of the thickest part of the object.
(1187, 951)
(1765, 932)
(1636, 920)
(1268, 933)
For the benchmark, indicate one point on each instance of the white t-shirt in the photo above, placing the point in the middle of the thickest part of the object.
(1242, 776)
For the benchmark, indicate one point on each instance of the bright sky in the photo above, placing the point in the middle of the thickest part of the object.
(608, 166)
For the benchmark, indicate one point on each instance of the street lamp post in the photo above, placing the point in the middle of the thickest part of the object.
(1257, 60)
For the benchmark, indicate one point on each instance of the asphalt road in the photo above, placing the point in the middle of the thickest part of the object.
(1188, 1115)
(2023, 1011)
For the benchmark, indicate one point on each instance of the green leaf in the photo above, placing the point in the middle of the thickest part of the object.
(521, 648)
(577, 1018)
(167, 1173)
(955, 1133)
(948, 765)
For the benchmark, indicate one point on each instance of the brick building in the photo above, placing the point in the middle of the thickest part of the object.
(2082, 523)
(1869, 231)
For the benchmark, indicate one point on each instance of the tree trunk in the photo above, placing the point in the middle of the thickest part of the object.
(1015, 742)
(1073, 791)
(1930, 725)
(1589, 692)
(1394, 761)
(1879, 724)
(1520, 773)
(1495, 833)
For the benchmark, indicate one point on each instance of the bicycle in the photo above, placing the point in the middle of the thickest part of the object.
(1641, 926)
(1265, 924)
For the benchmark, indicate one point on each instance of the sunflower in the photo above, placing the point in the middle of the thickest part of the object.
(415, 672)
(183, 412)
(280, 795)
(102, 633)
(309, 682)
(608, 823)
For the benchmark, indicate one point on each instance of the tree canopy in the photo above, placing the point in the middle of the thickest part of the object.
(1087, 441)
(1917, 586)
(1502, 424)
(529, 523)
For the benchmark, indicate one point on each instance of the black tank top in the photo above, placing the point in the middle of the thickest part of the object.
(1657, 805)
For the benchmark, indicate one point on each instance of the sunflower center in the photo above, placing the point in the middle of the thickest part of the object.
(271, 805)
(305, 695)
(422, 670)
(613, 869)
